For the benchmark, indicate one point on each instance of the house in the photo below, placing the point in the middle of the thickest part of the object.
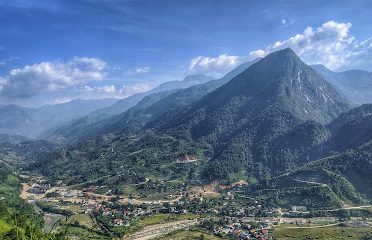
(186, 159)
(73, 193)
(299, 209)
(118, 222)
(38, 189)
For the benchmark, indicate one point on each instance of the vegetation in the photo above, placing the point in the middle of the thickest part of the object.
(18, 220)
(186, 235)
(46, 207)
(236, 133)
(342, 233)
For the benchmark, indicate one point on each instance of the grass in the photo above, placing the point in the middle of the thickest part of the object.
(82, 233)
(83, 220)
(86, 227)
(4, 227)
(129, 189)
(188, 235)
(327, 233)
(163, 218)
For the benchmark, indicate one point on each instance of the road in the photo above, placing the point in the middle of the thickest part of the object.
(349, 208)
(320, 226)
(158, 230)
(310, 182)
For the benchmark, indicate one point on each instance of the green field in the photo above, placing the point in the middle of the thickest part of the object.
(327, 233)
(73, 232)
(83, 227)
(188, 235)
(163, 218)
(4, 227)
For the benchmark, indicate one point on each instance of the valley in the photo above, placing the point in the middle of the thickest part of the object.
(256, 154)
(226, 212)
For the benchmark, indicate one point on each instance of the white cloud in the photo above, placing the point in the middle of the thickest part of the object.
(63, 100)
(143, 70)
(4, 62)
(111, 91)
(99, 89)
(330, 44)
(33, 79)
(137, 71)
(2, 84)
(216, 65)
(128, 90)
(258, 53)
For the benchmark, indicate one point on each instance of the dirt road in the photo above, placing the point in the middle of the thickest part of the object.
(158, 230)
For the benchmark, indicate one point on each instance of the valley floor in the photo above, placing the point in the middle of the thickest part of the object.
(331, 232)
(207, 213)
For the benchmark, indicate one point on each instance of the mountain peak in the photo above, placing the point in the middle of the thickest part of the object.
(281, 78)
(283, 56)
(285, 51)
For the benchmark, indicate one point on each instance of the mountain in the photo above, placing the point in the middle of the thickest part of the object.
(171, 104)
(355, 85)
(6, 138)
(253, 126)
(126, 103)
(86, 128)
(244, 117)
(343, 177)
(72, 129)
(17, 120)
(32, 122)
(352, 129)
(327, 183)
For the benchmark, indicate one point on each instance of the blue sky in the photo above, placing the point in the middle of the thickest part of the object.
(53, 51)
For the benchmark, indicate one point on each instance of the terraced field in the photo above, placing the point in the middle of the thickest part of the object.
(339, 233)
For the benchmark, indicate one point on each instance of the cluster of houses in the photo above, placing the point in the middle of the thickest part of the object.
(297, 211)
(243, 230)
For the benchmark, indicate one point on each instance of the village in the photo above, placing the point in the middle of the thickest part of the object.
(221, 213)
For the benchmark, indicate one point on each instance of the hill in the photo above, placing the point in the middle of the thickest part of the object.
(34, 122)
(340, 179)
(355, 85)
(104, 120)
(251, 127)
(82, 127)
(244, 117)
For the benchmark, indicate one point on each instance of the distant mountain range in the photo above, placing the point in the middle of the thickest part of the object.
(126, 103)
(172, 101)
(38, 122)
(74, 120)
(32, 122)
(355, 85)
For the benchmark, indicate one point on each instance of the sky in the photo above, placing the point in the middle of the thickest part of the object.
(53, 51)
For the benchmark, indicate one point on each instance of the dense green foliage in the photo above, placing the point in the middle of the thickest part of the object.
(18, 220)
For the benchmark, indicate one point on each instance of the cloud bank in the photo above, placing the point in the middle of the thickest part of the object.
(42, 77)
(330, 44)
(213, 65)
(112, 91)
